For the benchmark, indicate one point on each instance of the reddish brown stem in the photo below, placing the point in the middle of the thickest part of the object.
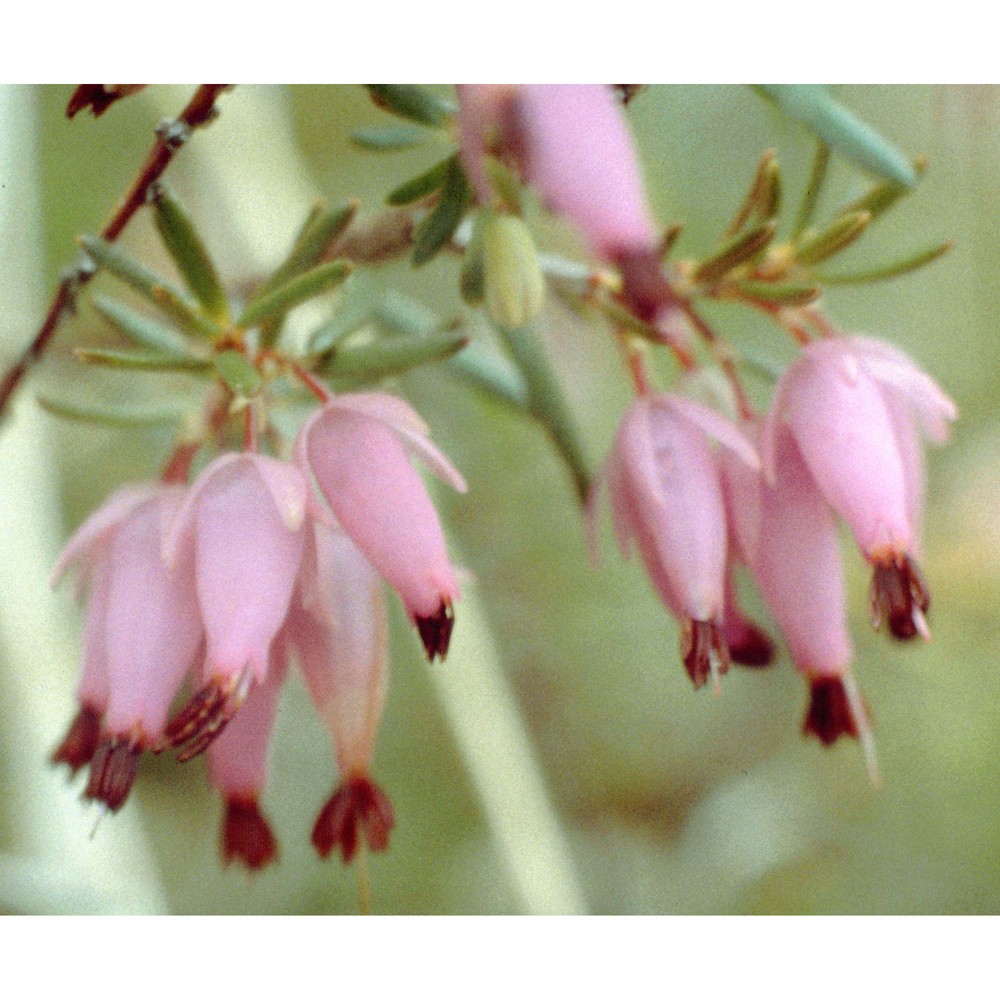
(313, 384)
(199, 111)
(636, 363)
(250, 439)
(722, 357)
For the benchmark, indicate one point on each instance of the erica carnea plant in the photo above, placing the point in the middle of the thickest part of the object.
(293, 494)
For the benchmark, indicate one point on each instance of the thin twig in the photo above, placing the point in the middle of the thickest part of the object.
(170, 136)
(720, 352)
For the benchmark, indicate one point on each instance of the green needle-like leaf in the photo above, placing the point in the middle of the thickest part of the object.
(894, 270)
(410, 102)
(764, 197)
(839, 235)
(141, 360)
(355, 308)
(321, 229)
(735, 253)
(189, 253)
(422, 185)
(141, 330)
(237, 372)
(439, 227)
(106, 415)
(389, 139)
(493, 377)
(172, 302)
(393, 356)
(816, 108)
(472, 277)
(883, 196)
(273, 307)
(814, 185)
(780, 294)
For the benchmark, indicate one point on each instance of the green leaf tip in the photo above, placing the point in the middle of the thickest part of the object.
(438, 228)
(171, 301)
(185, 246)
(815, 107)
(738, 251)
(272, 307)
(105, 415)
(389, 139)
(393, 356)
(411, 102)
(140, 360)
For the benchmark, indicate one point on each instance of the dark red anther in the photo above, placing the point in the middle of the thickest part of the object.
(435, 631)
(704, 652)
(358, 806)
(247, 836)
(755, 648)
(829, 715)
(80, 742)
(112, 772)
(899, 596)
(207, 713)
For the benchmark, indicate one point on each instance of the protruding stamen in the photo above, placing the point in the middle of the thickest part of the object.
(863, 725)
(899, 596)
(206, 715)
(704, 652)
(112, 771)
(435, 631)
(81, 740)
(358, 805)
(247, 836)
(837, 709)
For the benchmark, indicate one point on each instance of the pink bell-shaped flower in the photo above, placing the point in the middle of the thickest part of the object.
(571, 142)
(856, 408)
(237, 767)
(143, 630)
(339, 626)
(666, 498)
(244, 522)
(787, 534)
(356, 447)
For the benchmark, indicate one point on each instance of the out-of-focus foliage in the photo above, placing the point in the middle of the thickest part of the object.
(671, 801)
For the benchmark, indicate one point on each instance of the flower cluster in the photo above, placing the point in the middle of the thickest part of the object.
(222, 584)
(842, 439)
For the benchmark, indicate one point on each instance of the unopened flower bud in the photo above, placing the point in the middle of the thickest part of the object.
(514, 285)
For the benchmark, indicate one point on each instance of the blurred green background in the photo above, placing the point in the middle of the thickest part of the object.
(656, 799)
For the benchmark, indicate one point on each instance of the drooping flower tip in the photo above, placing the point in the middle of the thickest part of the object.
(704, 652)
(357, 807)
(435, 631)
(113, 770)
(829, 714)
(81, 740)
(206, 714)
(899, 596)
(246, 835)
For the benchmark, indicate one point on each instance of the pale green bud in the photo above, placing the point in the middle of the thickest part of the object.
(514, 285)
